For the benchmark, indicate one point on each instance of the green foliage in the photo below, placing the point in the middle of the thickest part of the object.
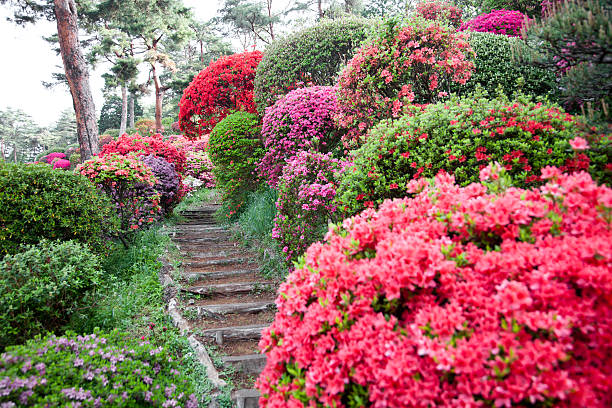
(98, 369)
(42, 286)
(496, 67)
(257, 220)
(461, 137)
(235, 149)
(18, 135)
(37, 202)
(532, 8)
(110, 115)
(313, 56)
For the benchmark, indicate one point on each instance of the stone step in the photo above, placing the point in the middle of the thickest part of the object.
(216, 262)
(190, 229)
(214, 239)
(199, 255)
(220, 334)
(198, 276)
(246, 398)
(227, 289)
(249, 364)
(217, 311)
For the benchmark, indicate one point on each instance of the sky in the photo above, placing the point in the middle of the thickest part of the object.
(28, 60)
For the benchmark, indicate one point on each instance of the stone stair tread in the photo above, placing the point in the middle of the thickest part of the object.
(196, 276)
(246, 398)
(252, 331)
(249, 363)
(226, 288)
(225, 308)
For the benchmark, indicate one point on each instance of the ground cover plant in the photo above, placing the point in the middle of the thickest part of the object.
(460, 296)
(92, 370)
(226, 85)
(301, 120)
(305, 204)
(402, 63)
(42, 286)
(312, 56)
(235, 149)
(460, 137)
(40, 203)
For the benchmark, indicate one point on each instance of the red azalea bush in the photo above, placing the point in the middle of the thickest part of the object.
(225, 85)
(460, 136)
(441, 11)
(147, 145)
(301, 120)
(454, 298)
(129, 183)
(305, 203)
(403, 62)
(506, 22)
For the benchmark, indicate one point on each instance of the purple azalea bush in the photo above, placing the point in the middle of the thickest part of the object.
(305, 204)
(168, 180)
(301, 120)
(506, 22)
(93, 370)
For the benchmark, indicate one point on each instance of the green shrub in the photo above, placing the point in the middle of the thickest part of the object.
(313, 56)
(112, 132)
(93, 370)
(42, 286)
(75, 159)
(496, 67)
(461, 137)
(257, 220)
(235, 149)
(37, 202)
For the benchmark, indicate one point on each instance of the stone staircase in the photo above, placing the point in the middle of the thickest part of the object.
(225, 301)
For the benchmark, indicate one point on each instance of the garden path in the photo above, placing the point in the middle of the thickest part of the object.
(224, 300)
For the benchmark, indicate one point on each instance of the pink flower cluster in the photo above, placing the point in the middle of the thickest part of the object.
(454, 298)
(198, 164)
(61, 164)
(305, 203)
(52, 156)
(506, 22)
(301, 120)
(401, 65)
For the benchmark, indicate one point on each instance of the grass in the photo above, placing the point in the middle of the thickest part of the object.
(254, 229)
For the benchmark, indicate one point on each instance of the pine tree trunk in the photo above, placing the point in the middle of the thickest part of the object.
(320, 6)
(132, 111)
(159, 96)
(124, 108)
(77, 76)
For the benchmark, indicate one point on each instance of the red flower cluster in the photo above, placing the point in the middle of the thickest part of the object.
(225, 85)
(454, 298)
(147, 145)
(441, 11)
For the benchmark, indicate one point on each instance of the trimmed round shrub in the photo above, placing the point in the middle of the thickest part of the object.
(235, 149)
(42, 286)
(454, 298)
(460, 137)
(147, 145)
(53, 156)
(439, 10)
(226, 85)
(93, 370)
(402, 63)
(305, 203)
(37, 202)
(506, 22)
(495, 68)
(130, 184)
(168, 181)
(62, 164)
(312, 56)
(301, 120)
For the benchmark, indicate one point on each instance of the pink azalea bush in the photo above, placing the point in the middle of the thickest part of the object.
(129, 183)
(403, 63)
(301, 120)
(506, 22)
(61, 164)
(200, 167)
(52, 156)
(441, 11)
(457, 297)
(305, 203)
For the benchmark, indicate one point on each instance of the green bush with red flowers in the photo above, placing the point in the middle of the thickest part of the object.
(402, 63)
(460, 137)
(235, 149)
